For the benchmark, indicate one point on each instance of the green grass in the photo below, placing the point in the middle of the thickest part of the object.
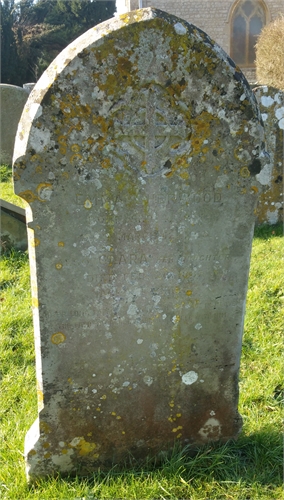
(248, 469)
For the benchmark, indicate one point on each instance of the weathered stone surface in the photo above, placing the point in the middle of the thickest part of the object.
(138, 153)
(12, 101)
(270, 205)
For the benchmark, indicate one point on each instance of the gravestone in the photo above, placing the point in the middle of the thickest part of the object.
(13, 231)
(270, 205)
(138, 155)
(12, 101)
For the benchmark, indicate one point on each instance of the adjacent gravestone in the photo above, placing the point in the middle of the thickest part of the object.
(12, 101)
(138, 155)
(13, 231)
(271, 104)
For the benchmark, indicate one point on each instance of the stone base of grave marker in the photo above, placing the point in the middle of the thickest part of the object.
(138, 155)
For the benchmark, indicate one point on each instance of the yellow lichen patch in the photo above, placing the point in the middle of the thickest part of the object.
(72, 108)
(217, 167)
(39, 396)
(85, 447)
(75, 148)
(65, 175)
(58, 266)
(244, 172)
(38, 170)
(61, 243)
(76, 157)
(202, 126)
(118, 418)
(169, 174)
(188, 292)
(35, 242)
(44, 427)
(179, 436)
(106, 163)
(96, 455)
(64, 451)
(254, 189)
(101, 121)
(58, 338)
(178, 415)
(46, 445)
(184, 175)
(35, 302)
(16, 176)
(88, 204)
(175, 429)
(113, 413)
(176, 319)
(103, 397)
(32, 453)
(44, 190)
(125, 18)
(34, 158)
(28, 196)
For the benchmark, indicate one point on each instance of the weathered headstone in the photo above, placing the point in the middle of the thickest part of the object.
(12, 101)
(270, 205)
(138, 154)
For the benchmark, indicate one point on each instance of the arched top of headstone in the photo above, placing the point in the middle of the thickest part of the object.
(123, 68)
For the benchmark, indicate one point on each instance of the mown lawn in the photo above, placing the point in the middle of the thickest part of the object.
(250, 468)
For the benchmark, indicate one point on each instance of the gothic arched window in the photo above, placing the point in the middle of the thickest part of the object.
(248, 19)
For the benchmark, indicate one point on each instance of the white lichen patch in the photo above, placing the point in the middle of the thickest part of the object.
(198, 326)
(211, 429)
(39, 139)
(266, 101)
(64, 460)
(148, 380)
(264, 177)
(189, 377)
(180, 29)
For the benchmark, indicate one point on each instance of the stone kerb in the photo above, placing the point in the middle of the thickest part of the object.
(12, 101)
(138, 156)
(271, 103)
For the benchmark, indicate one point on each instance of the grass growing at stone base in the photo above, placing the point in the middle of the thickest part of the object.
(250, 468)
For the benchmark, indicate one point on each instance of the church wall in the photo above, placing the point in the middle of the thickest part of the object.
(212, 16)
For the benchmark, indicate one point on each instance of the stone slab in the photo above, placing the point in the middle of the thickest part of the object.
(13, 231)
(138, 154)
(12, 101)
(270, 206)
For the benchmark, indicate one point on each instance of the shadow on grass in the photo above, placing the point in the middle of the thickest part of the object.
(253, 459)
(266, 232)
